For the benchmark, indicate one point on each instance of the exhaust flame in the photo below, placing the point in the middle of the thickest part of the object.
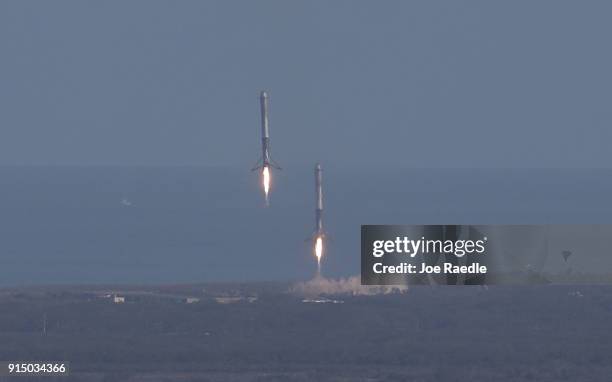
(319, 249)
(266, 180)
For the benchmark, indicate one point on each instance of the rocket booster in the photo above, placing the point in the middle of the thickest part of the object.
(265, 129)
(319, 200)
(266, 160)
(318, 236)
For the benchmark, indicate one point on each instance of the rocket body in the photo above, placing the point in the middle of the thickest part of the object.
(319, 235)
(265, 129)
(319, 200)
(265, 163)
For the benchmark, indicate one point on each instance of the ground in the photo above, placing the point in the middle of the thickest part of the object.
(535, 333)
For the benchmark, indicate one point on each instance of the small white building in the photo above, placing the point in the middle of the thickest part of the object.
(118, 299)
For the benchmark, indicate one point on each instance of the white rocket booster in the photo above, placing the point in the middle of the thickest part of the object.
(318, 235)
(319, 200)
(266, 160)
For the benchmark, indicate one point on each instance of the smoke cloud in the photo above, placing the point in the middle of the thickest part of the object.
(344, 286)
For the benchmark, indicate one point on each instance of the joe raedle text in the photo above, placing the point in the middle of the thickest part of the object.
(428, 247)
(445, 268)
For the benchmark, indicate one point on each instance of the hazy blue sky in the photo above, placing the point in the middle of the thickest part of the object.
(380, 83)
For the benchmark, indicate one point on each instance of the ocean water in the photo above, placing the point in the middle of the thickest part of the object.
(67, 225)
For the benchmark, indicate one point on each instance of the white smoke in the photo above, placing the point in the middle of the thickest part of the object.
(350, 286)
